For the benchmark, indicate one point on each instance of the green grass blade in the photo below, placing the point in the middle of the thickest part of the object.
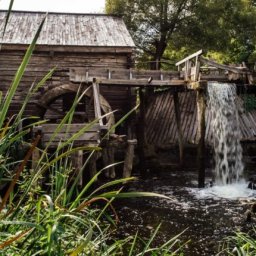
(112, 183)
(133, 244)
(1, 97)
(87, 186)
(32, 90)
(80, 248)
(132, 195)
(150, 241)
(22, 223)
(112, 129)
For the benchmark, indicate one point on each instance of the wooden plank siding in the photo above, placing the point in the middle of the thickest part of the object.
(42, 62)
(161, 128)
(66, 42)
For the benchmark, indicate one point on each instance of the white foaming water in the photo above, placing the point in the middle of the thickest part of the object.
(230, 191)
(226, 133)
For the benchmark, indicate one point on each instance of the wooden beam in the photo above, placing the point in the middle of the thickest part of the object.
(201, 106)
(59, 48)
(96, 97)
(108, 157)
(141, 123)
(72, 128)
(90, 138)
(237, 70)
(133, 82)
(143, 82)
(125, 77)
(189, 57)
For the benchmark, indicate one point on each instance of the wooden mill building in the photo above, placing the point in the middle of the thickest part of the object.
(97, 50)
(67, 41)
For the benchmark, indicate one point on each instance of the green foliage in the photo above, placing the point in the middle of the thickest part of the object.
(240, 244)
(249, 102)
(168, 30)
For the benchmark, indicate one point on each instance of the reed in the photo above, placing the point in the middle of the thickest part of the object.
(240, 244)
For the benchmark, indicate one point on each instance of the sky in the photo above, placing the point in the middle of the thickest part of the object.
(78, 6)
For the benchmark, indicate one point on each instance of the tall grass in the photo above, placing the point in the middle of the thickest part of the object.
(240, 244)
(57, 218)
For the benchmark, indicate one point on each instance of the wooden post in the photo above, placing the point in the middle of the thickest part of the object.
(77, 162)
(201, 105)
(96, 97)
(108, 157)
(111, 155)
(92, 164)
(128, 161)
(131, 118)
(179, 127)
(141, 132)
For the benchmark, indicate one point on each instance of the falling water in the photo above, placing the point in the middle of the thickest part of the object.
(226, 133)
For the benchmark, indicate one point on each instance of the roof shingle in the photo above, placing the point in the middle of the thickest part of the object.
(64, 29)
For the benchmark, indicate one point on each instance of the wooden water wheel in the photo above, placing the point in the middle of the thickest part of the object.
(55, 102)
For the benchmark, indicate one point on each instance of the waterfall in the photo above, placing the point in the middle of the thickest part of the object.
(225, 132)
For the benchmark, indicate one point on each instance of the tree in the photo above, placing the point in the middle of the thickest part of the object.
(152, 23)
(164, 29)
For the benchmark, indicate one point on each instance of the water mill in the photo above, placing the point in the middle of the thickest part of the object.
(102, 153)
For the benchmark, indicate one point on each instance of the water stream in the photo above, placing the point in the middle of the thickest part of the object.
(226, 134)
(229, 179)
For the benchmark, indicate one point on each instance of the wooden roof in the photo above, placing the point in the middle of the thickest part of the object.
(162, 128)
(66, 29)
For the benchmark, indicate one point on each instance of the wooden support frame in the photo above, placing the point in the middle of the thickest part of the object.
(141, 131)
(96, 96)
(125, 77)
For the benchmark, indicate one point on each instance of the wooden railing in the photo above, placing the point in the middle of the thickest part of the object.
(192, 66)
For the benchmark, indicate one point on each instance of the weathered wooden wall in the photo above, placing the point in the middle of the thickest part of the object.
(43, 61)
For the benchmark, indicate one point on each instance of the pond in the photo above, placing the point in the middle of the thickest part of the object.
(207, 218)
(209, 215)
